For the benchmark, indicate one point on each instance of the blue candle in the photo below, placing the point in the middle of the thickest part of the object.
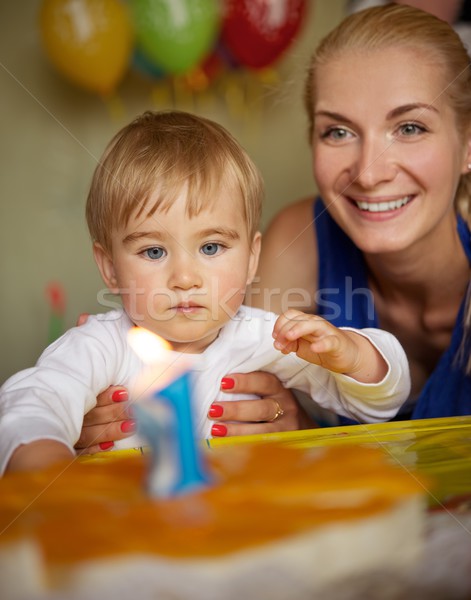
(165, 420)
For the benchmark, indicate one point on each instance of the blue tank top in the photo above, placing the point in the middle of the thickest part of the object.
(344, 299)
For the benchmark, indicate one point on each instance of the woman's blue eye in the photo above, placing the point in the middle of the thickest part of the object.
(154, 253)
(336, 133)
(210, 249)
(411, 129)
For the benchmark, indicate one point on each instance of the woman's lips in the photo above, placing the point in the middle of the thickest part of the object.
(381, 206)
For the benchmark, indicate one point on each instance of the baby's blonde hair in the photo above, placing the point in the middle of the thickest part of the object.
(395, 25)
(161, 154)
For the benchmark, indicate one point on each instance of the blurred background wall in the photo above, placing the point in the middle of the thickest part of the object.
(53, 132)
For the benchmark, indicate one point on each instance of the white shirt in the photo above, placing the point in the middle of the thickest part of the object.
(49, 401)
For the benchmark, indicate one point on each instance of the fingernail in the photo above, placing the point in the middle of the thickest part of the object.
(215, 410)
(128, 426)
(227, 383)
(106, 445)
(119, 396)
(219, 430)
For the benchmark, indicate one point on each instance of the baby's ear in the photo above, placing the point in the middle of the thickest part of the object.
(106, 267)
(254, 257)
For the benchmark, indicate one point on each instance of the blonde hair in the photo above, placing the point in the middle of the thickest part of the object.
(163, 153)
(395, 25)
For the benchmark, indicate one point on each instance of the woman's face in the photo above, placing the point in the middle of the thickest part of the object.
(387, 156)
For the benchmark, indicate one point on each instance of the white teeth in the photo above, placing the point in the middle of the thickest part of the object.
(383, 206)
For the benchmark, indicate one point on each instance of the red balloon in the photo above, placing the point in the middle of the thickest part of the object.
(257, 32)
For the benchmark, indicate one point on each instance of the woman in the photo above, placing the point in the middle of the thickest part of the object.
(388, 95)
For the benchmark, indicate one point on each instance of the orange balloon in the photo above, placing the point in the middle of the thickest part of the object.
(88, 41)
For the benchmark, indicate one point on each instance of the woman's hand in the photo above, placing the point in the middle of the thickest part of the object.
(109, 421)
(276, 410)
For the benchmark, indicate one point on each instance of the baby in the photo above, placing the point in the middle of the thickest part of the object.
(173, 210)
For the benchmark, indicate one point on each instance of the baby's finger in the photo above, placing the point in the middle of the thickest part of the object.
(279, 325)
(311, 327)
(290, 337)
(327, 344)
(287, 328)
(284, 346)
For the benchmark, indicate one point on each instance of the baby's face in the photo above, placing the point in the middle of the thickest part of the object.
(184, 278)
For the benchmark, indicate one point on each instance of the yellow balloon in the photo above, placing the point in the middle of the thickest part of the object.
(88, 41)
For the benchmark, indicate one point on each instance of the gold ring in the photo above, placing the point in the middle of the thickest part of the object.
(279, 412)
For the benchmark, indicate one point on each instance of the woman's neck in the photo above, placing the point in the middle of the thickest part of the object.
(426, 274)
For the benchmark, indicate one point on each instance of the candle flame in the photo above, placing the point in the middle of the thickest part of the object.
(150, 347)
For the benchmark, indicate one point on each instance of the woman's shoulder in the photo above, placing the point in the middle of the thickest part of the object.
(294, 215)
(291, 229)
(288, 260)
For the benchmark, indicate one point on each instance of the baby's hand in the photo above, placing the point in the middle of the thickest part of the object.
(316, 340)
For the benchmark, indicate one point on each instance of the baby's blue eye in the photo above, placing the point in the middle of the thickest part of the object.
(210, 249)
(154, 253)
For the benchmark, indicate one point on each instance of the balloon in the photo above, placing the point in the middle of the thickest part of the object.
(176, 34)
(146, 67)
(201, 77)
(257, 32)
(88, 41)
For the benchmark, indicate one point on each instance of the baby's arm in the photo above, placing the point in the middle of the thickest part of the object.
(319, 342)
(38, 454)
(46, 403)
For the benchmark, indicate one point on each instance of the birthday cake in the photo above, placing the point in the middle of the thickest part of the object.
(275, 522)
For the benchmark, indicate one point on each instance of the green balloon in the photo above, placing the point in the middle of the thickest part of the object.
(176, 34)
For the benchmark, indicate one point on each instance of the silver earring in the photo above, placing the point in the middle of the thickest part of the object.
(469, 166)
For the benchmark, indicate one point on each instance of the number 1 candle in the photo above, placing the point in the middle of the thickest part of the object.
(164, 417)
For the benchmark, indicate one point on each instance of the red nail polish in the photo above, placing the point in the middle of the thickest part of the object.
(106, 445)
(227, 383)
(219, 430)
(128, 426)
(215, 410)
(119, 396)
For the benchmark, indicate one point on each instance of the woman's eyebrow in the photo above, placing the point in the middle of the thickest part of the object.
(405, 108)
(332, 115)
(392, 114)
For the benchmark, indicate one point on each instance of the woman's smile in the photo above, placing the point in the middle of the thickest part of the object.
(381, 206)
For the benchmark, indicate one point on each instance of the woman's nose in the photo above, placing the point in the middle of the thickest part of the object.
(374, 163)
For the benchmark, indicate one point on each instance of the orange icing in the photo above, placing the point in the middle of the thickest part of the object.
(260, 494)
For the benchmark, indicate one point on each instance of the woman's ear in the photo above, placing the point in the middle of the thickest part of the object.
(106, 267)
(254, 257)
(467, 159)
